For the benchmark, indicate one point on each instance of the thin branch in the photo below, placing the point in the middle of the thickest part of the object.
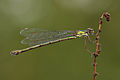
(98, 51)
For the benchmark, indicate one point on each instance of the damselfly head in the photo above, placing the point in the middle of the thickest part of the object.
(90, 31)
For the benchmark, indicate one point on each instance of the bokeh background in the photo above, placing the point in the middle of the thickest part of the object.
(66, 60)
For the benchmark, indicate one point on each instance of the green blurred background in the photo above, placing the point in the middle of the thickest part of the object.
(66, 60)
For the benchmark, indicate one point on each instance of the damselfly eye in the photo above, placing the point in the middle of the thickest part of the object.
(90, 31)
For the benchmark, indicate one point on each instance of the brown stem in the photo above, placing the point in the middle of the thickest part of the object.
(107, 16)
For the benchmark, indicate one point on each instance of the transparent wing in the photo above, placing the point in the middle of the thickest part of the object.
(36, 36)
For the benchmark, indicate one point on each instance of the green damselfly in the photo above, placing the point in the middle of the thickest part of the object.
(38, 38)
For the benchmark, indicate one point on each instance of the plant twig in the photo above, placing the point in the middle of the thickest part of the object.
(98, 51)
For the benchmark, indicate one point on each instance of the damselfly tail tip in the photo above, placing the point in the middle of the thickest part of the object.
(15, 52)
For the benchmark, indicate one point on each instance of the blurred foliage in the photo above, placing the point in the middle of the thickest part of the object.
(66, 60)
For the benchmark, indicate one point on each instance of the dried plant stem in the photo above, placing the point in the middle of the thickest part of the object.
(96, 54)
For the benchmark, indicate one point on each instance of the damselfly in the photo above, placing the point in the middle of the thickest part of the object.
(38, 38)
